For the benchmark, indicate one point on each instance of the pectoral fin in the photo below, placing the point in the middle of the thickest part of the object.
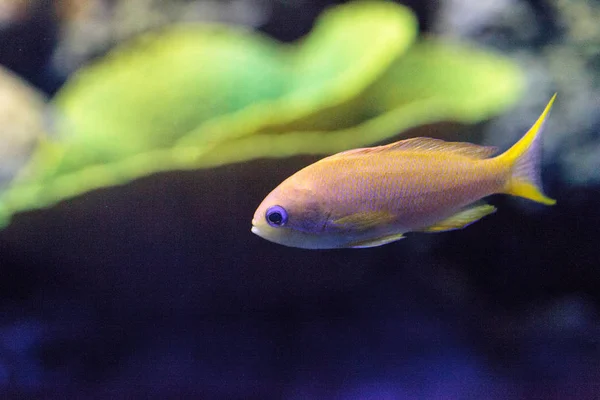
(363, 220)
(462, 219)
(376, 242)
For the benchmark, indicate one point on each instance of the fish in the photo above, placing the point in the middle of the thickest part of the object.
(373, 196)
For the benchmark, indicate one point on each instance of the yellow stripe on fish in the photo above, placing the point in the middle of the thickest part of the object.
(373, 196)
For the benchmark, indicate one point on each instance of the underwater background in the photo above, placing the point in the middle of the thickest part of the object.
(138, 137)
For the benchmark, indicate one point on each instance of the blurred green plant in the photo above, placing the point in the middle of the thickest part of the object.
(197, 96)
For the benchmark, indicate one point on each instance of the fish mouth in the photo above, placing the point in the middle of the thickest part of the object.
(254, 229)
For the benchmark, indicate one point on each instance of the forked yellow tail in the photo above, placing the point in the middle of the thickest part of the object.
(525, 158)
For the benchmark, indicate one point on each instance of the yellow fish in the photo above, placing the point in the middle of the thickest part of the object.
(372, 196)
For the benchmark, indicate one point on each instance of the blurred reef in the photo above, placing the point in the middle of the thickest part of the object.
(557, 44)
(139, 136)
(22, 117)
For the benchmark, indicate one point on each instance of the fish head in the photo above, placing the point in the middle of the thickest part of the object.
(294, 216)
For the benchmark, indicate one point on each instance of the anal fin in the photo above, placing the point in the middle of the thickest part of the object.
(461, 219)
(377, 241)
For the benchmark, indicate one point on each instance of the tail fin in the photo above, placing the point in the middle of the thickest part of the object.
(525, 158)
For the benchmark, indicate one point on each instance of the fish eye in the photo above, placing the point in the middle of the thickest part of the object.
(276, 216)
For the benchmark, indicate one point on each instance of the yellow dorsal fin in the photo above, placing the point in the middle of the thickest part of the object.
(462, 218)
(423, 144)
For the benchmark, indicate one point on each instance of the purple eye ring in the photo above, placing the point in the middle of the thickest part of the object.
(276, 216)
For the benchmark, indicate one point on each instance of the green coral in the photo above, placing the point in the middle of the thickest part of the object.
(199, 96)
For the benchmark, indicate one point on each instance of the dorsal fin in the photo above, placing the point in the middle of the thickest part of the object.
(429, 145)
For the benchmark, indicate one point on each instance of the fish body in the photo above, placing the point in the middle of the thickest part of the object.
(373, 196)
